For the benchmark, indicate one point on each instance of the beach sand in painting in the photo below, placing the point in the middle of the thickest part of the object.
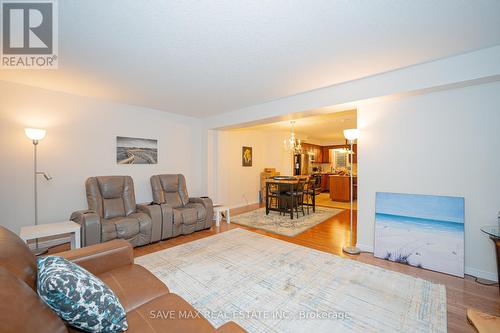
(421, 230)
(425, 243)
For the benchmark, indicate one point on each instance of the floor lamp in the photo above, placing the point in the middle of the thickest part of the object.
(35, 135)
(351, 135)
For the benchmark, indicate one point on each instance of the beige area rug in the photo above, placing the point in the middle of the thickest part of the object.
(269, 285)
(323, 199)
(283, 225)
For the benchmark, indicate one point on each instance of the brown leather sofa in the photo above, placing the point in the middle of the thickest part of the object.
(142, 295)
(113, 213)
(180, 213)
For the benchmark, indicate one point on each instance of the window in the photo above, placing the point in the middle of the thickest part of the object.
(340, 158)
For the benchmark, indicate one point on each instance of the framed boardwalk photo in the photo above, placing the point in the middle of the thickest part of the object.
(136, 150)
(425, 231)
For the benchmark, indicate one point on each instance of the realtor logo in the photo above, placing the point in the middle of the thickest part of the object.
(29, 34)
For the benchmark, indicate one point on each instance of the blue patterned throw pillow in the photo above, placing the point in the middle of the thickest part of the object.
(79, 297)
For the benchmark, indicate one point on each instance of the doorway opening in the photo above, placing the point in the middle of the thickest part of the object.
(318, 151)
(322, 152)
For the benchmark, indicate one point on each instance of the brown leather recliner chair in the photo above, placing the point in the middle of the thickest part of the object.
(180, 213)
(139, 291)
(113, 213)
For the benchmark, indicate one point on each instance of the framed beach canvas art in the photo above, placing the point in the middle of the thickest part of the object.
(425, 231)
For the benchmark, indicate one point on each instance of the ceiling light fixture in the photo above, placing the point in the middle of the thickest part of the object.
(292, 144)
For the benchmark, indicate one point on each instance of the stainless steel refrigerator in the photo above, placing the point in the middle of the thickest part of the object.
(300, 164)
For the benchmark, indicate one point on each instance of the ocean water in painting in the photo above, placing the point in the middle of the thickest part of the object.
(421, 230)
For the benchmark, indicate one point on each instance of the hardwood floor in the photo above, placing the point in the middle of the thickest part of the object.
(332, 234)
(323, 199)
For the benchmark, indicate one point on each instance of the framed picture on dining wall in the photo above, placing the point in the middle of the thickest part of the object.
(246, 156)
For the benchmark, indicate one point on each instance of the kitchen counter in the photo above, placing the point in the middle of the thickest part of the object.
(325, 180)
(340, 189)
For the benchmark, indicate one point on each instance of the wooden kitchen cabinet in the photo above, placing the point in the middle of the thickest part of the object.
(315, 150)
(323, 183)
(308, 148)
(340, 188)
(326, 154)
(322, 153)
(305, 147)
(318, 154)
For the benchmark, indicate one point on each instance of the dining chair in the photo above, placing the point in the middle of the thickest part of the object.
(295, 196)
(309, 191)
(273, 195)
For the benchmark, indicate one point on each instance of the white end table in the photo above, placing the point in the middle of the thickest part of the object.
(221, 211)
(53, 229)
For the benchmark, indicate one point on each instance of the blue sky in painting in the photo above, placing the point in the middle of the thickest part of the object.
(440, 208)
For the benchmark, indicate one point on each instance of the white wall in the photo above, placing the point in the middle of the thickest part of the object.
(236, 185)
(81, 142)
(442, 143)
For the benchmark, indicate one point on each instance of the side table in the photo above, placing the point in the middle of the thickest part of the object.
(221, 211)
(494, 233)
(53, 229)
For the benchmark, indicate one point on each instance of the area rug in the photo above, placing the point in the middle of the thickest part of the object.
(283, 225)
(269, 285)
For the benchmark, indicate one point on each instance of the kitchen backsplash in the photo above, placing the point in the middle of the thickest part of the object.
(323, 167)
(327, 167)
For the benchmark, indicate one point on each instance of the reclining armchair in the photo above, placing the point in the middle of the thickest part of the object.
(180, 213)
(113, 213)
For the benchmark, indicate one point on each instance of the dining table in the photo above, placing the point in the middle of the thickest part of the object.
(283, 184)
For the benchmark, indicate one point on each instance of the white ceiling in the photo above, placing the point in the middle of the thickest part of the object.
(322, 129)
(202, 58)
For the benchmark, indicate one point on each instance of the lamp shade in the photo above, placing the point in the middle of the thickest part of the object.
(35, 133)
(351, 134)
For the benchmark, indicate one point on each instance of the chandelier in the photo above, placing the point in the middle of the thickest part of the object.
(292, 144)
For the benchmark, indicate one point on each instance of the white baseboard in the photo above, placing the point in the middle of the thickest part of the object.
(239, 205)
(481, 274)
